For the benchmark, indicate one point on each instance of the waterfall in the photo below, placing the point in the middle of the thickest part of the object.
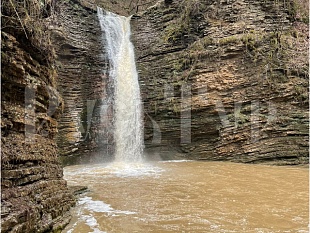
(128, 127)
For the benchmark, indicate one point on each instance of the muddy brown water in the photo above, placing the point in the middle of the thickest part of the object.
(189, 196)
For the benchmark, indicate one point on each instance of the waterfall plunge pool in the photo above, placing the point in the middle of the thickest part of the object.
(189, 196)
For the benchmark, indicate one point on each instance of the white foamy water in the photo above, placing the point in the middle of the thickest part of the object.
(176, 161)
(128, 125)
(90, 221)
(133, 170)
(89, 207)
(100, 207)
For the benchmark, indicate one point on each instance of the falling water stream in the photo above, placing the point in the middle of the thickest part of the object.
(127, 101)
(176, 196)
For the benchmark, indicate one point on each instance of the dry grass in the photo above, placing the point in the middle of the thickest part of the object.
(26, 20)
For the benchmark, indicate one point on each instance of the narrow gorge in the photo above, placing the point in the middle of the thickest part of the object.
(220, 80)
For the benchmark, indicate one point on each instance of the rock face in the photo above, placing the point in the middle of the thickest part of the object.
(85, 127)
(220, 80)
(34, 196)
(82, 82)
(225, 80)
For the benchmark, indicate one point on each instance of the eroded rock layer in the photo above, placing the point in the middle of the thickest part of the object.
(82, 82)
(34, 196)
(225, 80)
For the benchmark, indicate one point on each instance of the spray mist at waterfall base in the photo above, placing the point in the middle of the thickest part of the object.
(116, 169)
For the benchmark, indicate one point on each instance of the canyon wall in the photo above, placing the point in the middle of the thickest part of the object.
(220, 80)
(82, 83)
(225, 79)
(34, 195)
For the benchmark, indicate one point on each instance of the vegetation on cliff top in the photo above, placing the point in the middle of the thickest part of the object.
(283, 49)
(25, 20)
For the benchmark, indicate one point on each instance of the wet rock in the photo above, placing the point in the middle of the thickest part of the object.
(76, 190)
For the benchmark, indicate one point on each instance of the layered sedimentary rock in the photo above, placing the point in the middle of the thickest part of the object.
(225, 80)
(85, 127)
(220, 80)
(82, 81)
(34, 196)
